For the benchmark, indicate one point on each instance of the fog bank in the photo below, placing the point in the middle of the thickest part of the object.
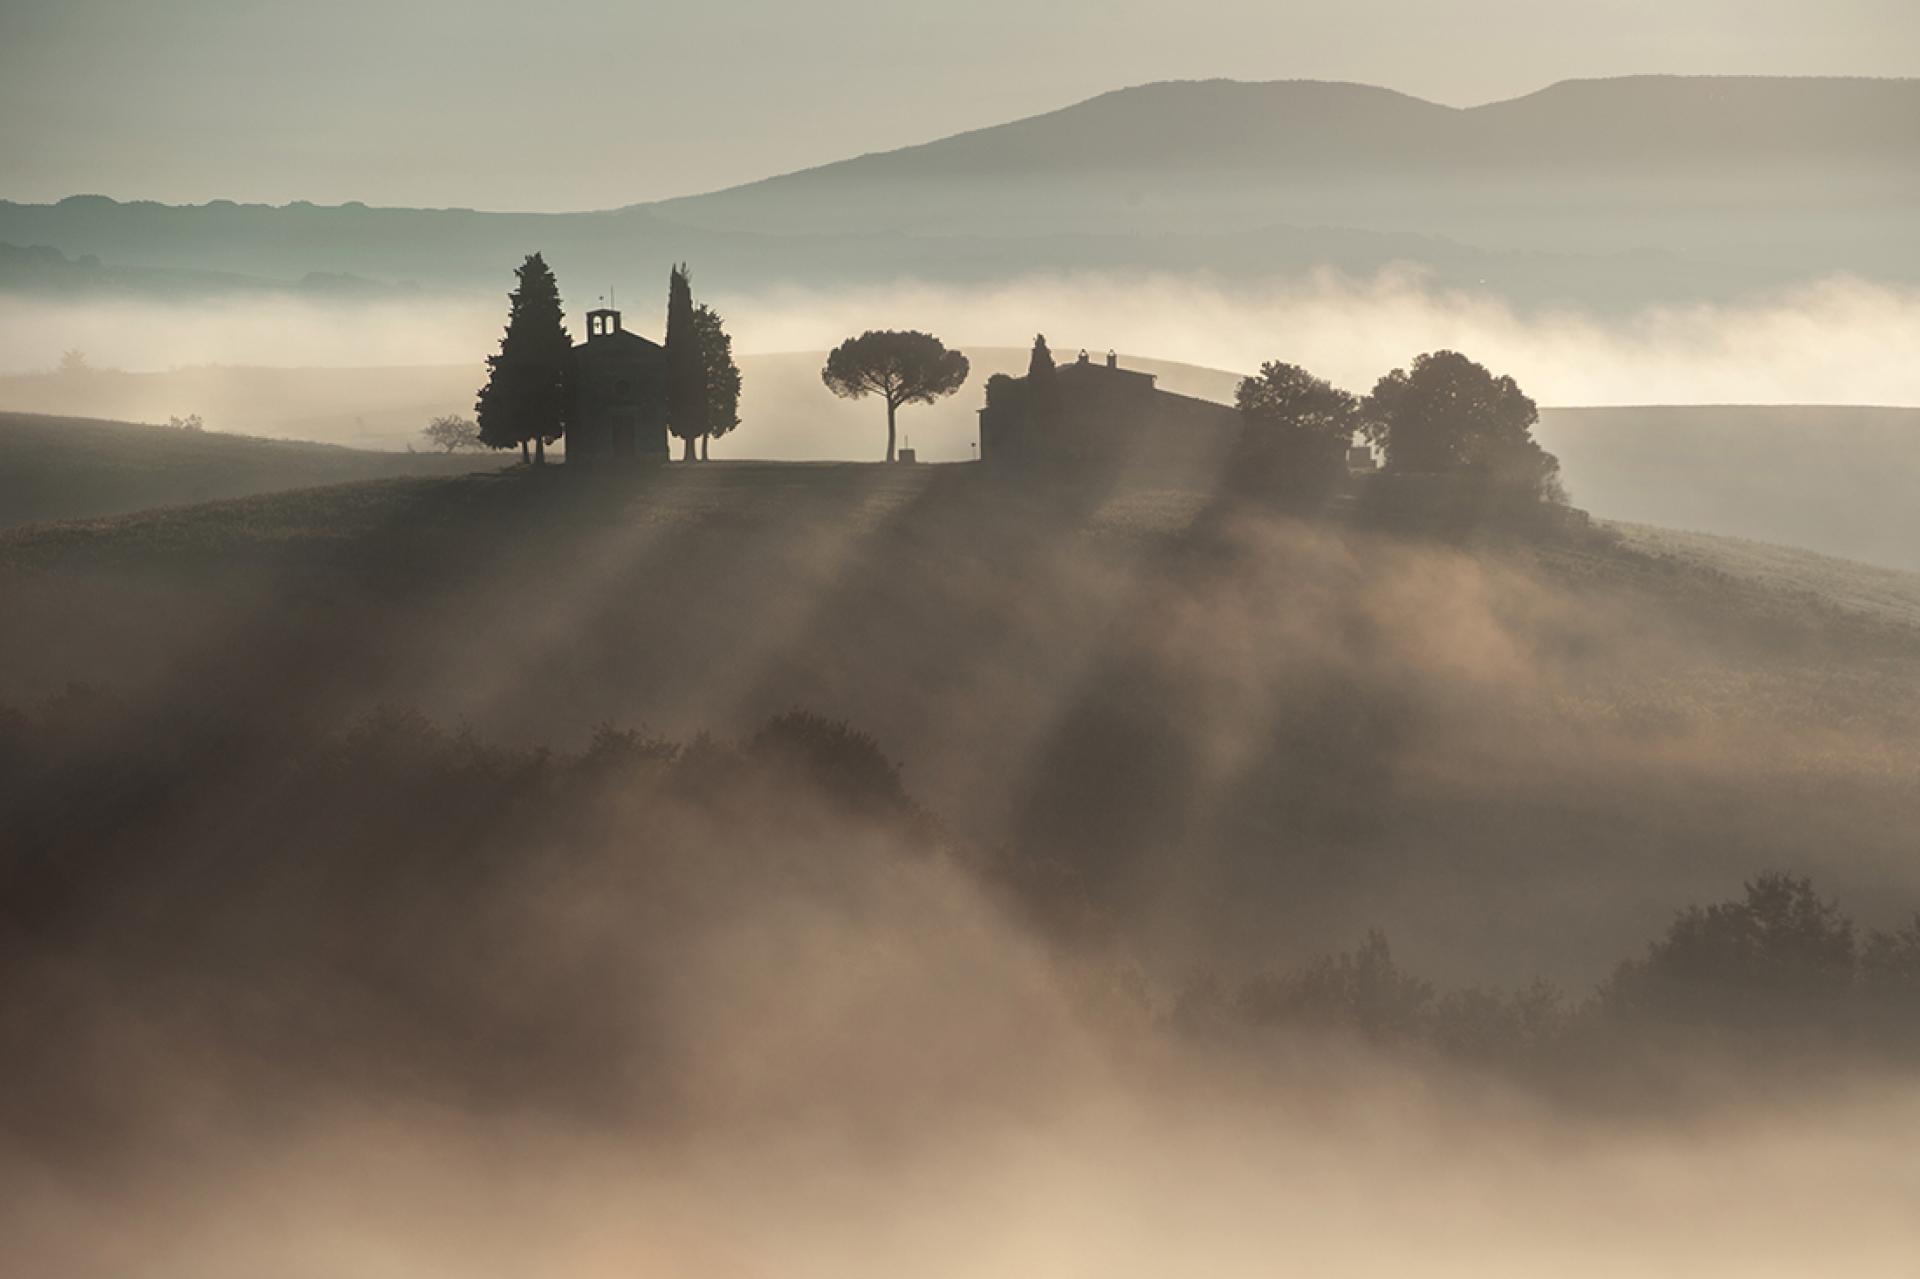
(1832, 341)
(1128, 1186)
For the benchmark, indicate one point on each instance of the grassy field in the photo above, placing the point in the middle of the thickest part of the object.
(372, 408)
(75, 468)
(1887, 594)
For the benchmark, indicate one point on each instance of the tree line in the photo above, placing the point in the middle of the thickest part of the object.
(1778, 968)
(1444, 417)
(1779, 972)
(525, 402)
(1445, 421)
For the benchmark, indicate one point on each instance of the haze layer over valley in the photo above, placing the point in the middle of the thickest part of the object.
(1138, 753)
(1365, 724)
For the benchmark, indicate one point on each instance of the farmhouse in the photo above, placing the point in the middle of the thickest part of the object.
(617, 410)
(1101, 416)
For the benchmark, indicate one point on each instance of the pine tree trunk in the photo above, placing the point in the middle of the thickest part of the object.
(539, 450)
(890, 411)
(524, 459)
(703, 447)
(686, 452)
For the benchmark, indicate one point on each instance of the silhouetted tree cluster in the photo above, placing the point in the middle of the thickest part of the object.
(1779, 964)
(1365, 993)
(383, 899)
(97, 796)
(1363, 990)
(899, 367)
(1005, 391)
(106, 805)
(1298, 430)
(1780, 954)
(836, 759)
(1452, 432)
(1447, 415)
(703, 382)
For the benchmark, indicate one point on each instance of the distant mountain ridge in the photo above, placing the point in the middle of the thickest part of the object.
(1591, 190)
(1194, 122)
(1225, 155)
(45, 270)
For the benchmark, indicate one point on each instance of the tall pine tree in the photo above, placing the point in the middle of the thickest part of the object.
(524, 400)
(723, 375)
(686, 365)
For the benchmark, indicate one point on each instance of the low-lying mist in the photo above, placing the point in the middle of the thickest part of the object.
(402, 1002)
(607, 960)
(1827, 478)
(1316, 725)
(1835, 341)
(1832, 341)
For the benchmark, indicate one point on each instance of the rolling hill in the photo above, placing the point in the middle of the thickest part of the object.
(1886, 594)
(1610, 192)
(381, 816)
(1552, 168)
(1834, 479)
(1245, 732)
(1838, 479)
(63, 468)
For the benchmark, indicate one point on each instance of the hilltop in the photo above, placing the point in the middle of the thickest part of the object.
(1831, 478)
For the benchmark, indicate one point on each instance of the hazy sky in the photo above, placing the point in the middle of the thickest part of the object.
(588, 103)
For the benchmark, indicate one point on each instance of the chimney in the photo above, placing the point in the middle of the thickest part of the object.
(1113, 361)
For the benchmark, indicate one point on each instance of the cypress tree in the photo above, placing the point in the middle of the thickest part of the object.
(1040, 363)
(1042, 390)
(723, 375)
(686, 365)
(524, 400)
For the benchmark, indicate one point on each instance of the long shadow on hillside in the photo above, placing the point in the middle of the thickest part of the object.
(943, 632)
(663, 617)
